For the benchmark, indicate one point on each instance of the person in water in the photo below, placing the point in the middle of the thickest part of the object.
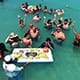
(27, 41)
(22, 22)
(76, 41)
(47, 44)
(3, 49)
(34, 32)
(36, 18)
(66, 24)
(59, 35)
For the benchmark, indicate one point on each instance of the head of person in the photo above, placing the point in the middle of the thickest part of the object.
(49, 21)
(58, 29)
(45, 7)
(21, 21)
(2, 50)
(65, 21)
(51, 10)
(23, 4)
(37, 14)
(27, 36)
(39, 5)
(3, 47)
(8, 59)
(48, 40)
(34, 30)
(12, 35)
(60, 21)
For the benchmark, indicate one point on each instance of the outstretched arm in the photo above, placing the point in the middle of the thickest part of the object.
(25, 19)
(74, 30)
(26, 64)
(51, 46)
(54, 19)
(18, 18)
(70, 21)
(45, 20)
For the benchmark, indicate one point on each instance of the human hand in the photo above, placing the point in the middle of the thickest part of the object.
(22, 68)
(44, 17)
(73, 24)
(70, 18)
(52, 33)
(55, 15)
(61, 18)
(25, 64)
(18, 16)
(25, 15)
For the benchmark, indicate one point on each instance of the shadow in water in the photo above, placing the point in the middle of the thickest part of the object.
(76, 50)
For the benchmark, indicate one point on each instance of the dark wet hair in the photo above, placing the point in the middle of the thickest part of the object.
(26, 34)
(40, 5)
(20, 21)
(60, 10)
(66, 20)
(36, 6)
(22, 3)
(49, 20)
(34, 30)
(59, 21)
(45, 7)
(51, 9)
(48, 39)
(3, 47)
(37, 14)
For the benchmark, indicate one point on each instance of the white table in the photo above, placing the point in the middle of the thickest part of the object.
(41, 56)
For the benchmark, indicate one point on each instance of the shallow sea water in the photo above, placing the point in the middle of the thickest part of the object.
(66, 65)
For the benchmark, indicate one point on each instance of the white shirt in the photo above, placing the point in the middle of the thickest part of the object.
(11, 70)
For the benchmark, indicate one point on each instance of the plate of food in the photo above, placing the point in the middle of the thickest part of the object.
(31, 54)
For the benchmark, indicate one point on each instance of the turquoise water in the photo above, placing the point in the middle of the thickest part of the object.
(67, 59)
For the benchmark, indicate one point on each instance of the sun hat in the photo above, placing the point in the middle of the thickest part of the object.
(7, 58)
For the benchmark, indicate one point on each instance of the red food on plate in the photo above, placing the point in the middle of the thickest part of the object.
(21, 51)
(45, 50)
